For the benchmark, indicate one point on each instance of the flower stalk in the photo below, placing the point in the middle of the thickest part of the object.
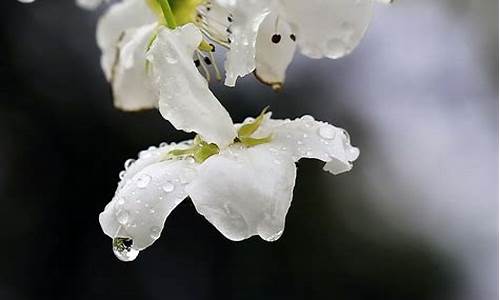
(167, 14)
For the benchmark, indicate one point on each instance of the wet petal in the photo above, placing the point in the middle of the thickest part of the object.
(145, 198)
(131, 85)
(330, 28)
(111, 26)
(245, 191)
(308, 138)
(185, 98)
(274, 50)
(246, 17)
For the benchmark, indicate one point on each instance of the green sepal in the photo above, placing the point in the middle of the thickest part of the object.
(200, 151)
(250, 142)
(247, 130)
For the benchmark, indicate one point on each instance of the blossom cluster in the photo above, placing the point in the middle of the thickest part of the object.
(159, 54)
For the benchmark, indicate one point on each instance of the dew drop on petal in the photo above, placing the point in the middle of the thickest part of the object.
(143, 181)
(121, 175)
(122, 248)
(171, 60)
(128, 163)
(327, 132)
(122, 217)
(121, 201)
(307, 118)
(168, 187)
(154, 232)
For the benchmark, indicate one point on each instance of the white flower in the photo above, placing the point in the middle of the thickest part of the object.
(242, 190)
(266, 33)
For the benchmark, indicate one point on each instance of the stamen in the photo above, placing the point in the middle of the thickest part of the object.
(216, 68)
(205, 70)
(276, 38)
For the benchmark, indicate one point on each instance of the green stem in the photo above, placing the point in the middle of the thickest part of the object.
(167, 13)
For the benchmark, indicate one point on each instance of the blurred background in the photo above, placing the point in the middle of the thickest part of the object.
(415, 219)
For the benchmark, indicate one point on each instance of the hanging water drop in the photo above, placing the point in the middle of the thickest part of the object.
(122, 248)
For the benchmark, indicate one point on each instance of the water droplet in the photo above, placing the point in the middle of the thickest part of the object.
(299, 142)
(143, 180)
(162, 145)
(168, 187)
(327, 132)
(307, 118)
(336, 48)
(122, 248)
(122, 217)
(171, 59)
(305, 135)
(128, 163)
(275, 236)
(121, 201)
(152, 211)
(155, 232)
(121, 175)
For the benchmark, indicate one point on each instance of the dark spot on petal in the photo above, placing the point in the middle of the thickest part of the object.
(276, 38)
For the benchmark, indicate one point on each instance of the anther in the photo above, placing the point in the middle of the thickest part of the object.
(207, 60)
(229, 19)
(197, 62)
(276, 38)
(292, 37)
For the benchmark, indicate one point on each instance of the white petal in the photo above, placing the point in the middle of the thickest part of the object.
(246, 19)
(185, 98)
(111, 26)
(131, 85)
(331, 28)
(308, 138)
(145, 198)
(245, 192)
(272, 59)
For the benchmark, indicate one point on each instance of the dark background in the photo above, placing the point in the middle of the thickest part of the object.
(415, 219)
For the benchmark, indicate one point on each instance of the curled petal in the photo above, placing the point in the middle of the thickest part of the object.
(131, 85)
(330, 28)
(111, 26)
(308, 138)
(245, 191)
(274, 51)
(145, 198)
(185, 98)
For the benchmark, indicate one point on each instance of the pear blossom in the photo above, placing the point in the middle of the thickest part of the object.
(239, 177)
(261, 36)
(268, 32)
(241, 189)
